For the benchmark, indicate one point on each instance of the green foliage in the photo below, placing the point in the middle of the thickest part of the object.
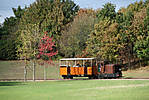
(126, 35)
(18, 12)
(8, 35)
(45, 15)
(50, 16)
(142, 43)
(7, 48)
(104, 41)
(108, 11)
(137, 6)
(28, 40)
(104, 33)
(74, 37)
(122, 35)
(142, 48)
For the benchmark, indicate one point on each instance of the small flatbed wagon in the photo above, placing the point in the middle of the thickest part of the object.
(88, 67)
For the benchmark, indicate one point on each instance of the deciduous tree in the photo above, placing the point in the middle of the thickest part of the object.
(74, 37)
(46, 50)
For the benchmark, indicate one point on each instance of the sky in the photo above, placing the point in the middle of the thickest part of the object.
(7, 5)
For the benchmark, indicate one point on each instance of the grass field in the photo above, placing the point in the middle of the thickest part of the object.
(70, 89)
(76, 90)
(15, 70)
(142, 72)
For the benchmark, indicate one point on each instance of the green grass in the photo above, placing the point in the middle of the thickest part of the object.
(136, 74)
(15, 70)
(142, 72)
(76, 90)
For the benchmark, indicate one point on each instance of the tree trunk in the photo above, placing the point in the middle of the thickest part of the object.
(45, 72)
(25, 73)
(129, 60)
(34, 65)
(25, 70)
(129, 65)
(140, 63)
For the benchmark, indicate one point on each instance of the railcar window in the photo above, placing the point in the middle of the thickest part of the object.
(87, 64)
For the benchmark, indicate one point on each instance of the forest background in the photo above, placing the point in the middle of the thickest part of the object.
(120, 37)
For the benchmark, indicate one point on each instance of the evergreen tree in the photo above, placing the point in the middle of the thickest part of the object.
(8, 35)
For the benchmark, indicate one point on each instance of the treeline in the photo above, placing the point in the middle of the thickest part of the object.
(121, 36)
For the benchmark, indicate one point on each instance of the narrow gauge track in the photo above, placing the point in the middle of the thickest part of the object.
(21, 80)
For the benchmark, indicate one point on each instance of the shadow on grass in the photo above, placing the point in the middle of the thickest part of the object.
(11, 83)
(127, 77)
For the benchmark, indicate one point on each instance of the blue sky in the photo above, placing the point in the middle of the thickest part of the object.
(7, 5)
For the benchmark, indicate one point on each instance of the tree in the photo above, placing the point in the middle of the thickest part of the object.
(131, 29)
(141, 46)
(77, 33)
(46, 50)
(104, 41)
(108, 11)
(8, 35)
(127, 36)
(50, 15)
(28, 45)
(46, 47)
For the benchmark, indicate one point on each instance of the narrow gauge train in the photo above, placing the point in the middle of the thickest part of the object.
(88, 67)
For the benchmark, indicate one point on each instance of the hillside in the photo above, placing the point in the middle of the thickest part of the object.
(15, 70)
(142, 72)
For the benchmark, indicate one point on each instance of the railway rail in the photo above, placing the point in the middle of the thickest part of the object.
(21, 80)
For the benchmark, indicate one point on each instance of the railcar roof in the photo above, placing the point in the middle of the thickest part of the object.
(77, 59)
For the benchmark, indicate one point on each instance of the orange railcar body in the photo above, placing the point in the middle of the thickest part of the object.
(108, 69)
(63, 70)
(89, 70)
(81, 70)
(72, 70)
(76, 70)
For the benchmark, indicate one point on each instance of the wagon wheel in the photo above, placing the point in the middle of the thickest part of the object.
(64, 77)
(90, 77)
(71, 77)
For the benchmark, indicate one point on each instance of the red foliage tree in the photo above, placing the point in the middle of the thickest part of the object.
(46, 48)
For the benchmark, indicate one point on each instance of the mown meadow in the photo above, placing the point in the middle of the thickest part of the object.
(76, 90)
